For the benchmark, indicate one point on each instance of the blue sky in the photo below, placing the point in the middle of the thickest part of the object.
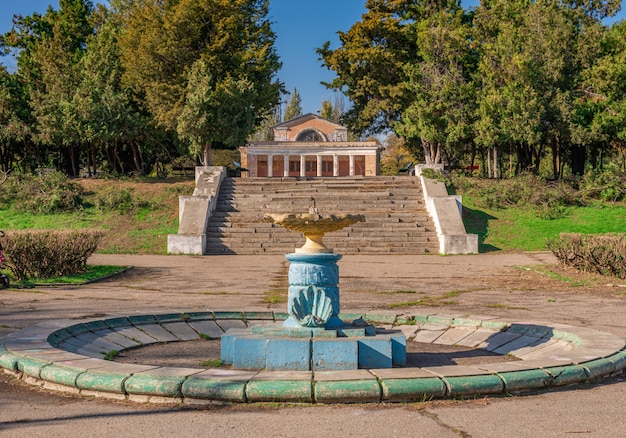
(300, 26)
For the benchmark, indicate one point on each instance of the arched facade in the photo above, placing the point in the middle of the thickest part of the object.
(310, 146)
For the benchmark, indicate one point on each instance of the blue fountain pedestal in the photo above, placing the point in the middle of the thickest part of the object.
(335, 346)
(319, 270)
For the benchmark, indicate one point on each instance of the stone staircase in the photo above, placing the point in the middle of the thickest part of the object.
(396, 220)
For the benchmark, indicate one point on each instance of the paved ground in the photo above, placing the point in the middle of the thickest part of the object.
(518, 287)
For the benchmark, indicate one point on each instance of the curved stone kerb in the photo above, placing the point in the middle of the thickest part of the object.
(551, 355)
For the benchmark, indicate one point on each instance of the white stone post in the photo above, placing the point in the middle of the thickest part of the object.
(319, 165)
(351, 165)
(286, 166)
(335, 165)
(303, 165)
(270, 165)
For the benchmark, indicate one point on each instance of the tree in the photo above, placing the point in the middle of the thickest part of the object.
(294, 107)
(601, 107)
(57, 57)
(369, 65)
(333, 111)
(162, 43)
(15, 124)
(531, 58)
(216, 111)
(440, 116)
(108, 117)
(395, 156)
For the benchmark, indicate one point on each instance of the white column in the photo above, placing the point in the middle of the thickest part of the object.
(286, 165)
(302, 165)
(319, 165)
(270, 165)
(335, 165)
(351, 165)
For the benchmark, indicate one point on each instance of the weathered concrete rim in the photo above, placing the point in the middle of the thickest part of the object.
(68, 356)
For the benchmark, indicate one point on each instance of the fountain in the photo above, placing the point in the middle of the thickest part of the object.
(313, 337)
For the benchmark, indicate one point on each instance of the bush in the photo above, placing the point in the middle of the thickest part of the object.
(47, 253)
(122, 200)
(602, 254)
(606, 185)
(549, 199)
(51, 192)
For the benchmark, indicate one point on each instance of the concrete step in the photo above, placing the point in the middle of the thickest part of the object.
(396, 220)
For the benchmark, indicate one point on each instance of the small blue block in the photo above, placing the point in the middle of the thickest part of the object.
(288, 354)
(227, 348)
(335, 354)
(249, 352)
(375, 353)
(398, 349)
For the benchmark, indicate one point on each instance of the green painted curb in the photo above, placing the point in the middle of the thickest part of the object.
(229, 315)
(619, 360)
(62, 375)
(118, 322)
(58, 336)
(215, 389)
(494, 325)
(77, 329)
(8, 361)
(141, 319)
(171, 317)
(472, 385)
(413, 389)
(287, 388)
(262, 316)
(95, 326)
(145, 384)
(30, 366)
(599, 368)
(105, 382)
(523, 380)
(567, 375)
(348, 391)
(200, 316)
(463, 322)
(294, 391)
(440, 320)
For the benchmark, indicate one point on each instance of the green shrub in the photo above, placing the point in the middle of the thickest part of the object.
(51, 192)
(48, 253)
(122, 200)
(549, 199)
(607, 185)
(602, 254)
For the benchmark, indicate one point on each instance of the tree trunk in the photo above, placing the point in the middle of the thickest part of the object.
(136, 158)
(432, 152)
(206, 154)
(496, 174)
(488, 162)
(117, 157)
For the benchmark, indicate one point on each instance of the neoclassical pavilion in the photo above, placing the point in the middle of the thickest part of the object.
(310, 145)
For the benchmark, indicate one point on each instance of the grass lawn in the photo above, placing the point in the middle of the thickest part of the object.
(515, 229)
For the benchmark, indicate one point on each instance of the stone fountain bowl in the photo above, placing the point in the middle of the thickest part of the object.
(314, 226)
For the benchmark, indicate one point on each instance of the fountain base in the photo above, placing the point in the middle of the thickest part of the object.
(279, 348)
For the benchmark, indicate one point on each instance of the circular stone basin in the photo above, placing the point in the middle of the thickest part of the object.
(73, 358)
(207, 351)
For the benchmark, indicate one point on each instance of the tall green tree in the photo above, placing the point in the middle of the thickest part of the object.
(15, 122)
(57, 59)
(294, 107)
(441, 114)
(369, 64)
(163, 41)
(216, 111)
